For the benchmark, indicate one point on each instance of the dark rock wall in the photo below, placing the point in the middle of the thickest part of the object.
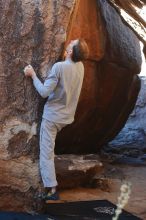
(129, 146)
(110, 86)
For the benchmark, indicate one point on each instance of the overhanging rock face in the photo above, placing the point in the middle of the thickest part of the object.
(34, 32)
(110, 85)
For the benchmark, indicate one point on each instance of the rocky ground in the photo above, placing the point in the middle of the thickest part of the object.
(108, 187)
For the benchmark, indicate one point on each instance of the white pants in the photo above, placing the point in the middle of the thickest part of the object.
(48, 134)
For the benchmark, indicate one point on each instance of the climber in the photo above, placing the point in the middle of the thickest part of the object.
(62, 89)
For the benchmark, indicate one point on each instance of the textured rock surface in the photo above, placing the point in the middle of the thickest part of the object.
(30, 32)
(129, 146)
(20, 179)
(110, 85)
(134, 15)
(34, 32)
(74, 171)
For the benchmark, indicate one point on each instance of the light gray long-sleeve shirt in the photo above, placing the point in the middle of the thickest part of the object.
(62, 87)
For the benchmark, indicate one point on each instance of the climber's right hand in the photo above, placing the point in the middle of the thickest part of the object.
(29, 71)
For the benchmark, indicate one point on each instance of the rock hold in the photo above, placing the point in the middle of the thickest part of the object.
(73, 170)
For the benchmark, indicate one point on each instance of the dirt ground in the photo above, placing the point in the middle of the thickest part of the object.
(114, 176)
